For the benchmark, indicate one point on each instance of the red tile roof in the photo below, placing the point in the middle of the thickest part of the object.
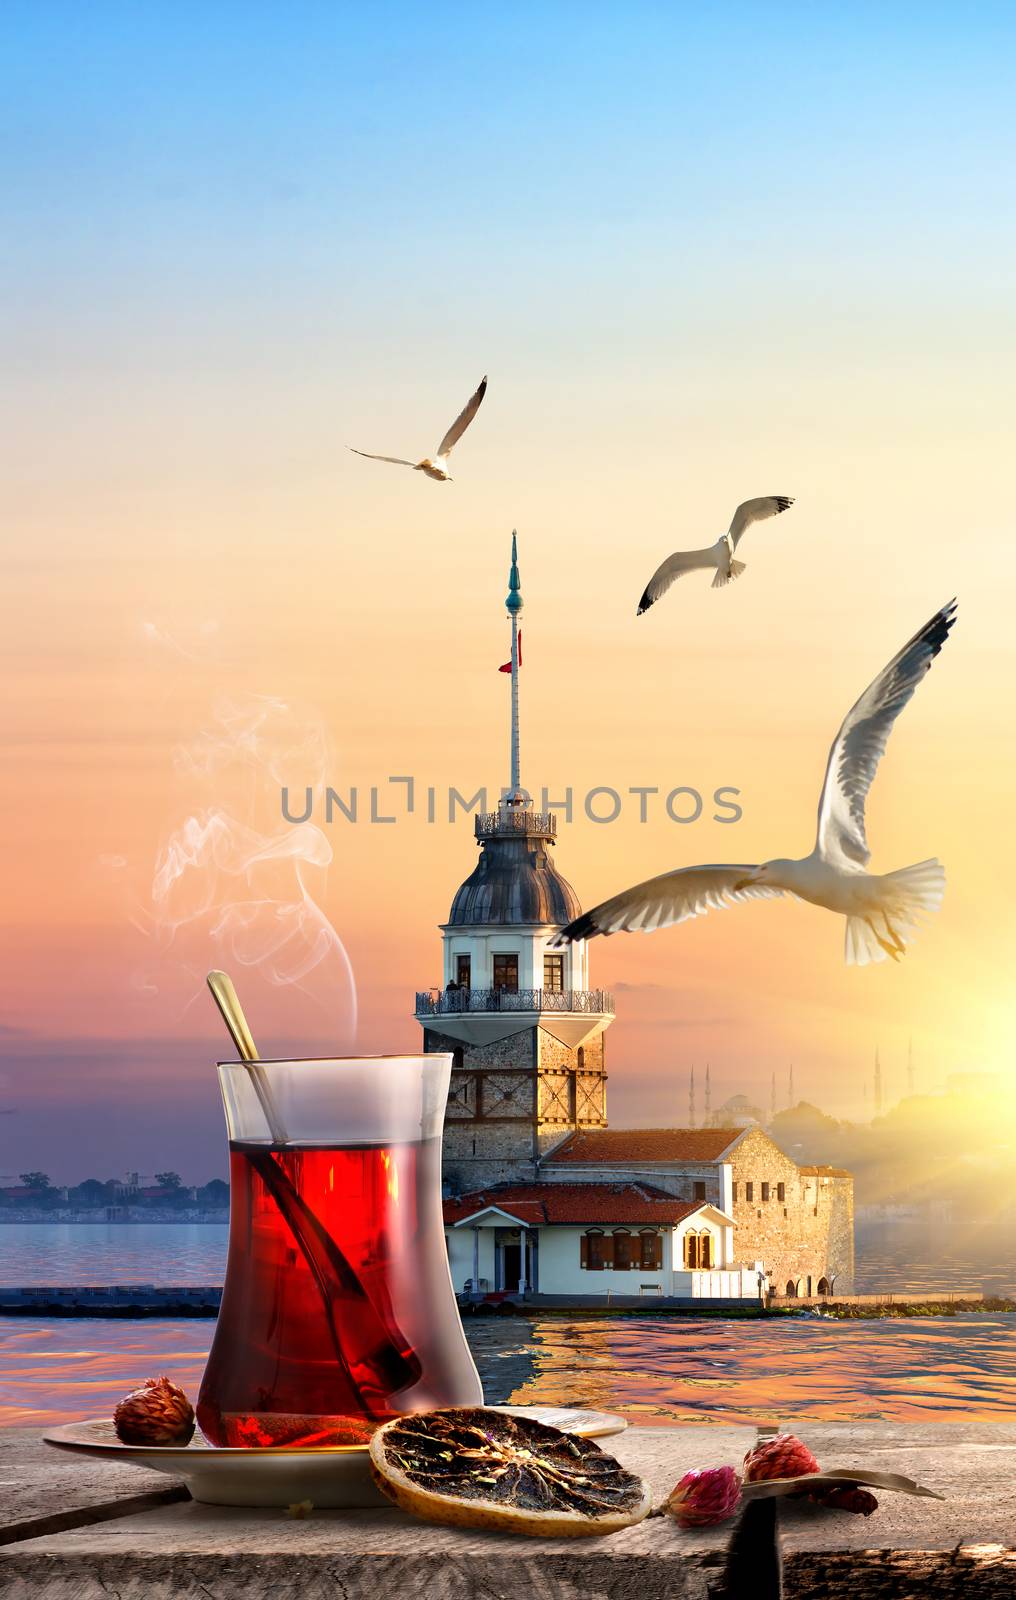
(576, 1203)
(600, 1145)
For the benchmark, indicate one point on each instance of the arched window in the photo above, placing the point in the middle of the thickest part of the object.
(691, 1259)
(593, 1250)
(580, 1058)
(791, 1289)
(650, 1250)
(458, 1057)
(824, 1286)
(705, 1250)
(622, 1250)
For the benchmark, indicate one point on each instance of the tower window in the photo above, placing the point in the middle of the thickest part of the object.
(580, 1058)
(700, 1191)
(463, 969)
(506, 972)
(553, 973)
(458, 1058)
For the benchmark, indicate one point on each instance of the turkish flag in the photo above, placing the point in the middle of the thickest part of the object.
(508, 666)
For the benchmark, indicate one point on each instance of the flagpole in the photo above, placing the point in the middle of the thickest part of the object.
(514, 606)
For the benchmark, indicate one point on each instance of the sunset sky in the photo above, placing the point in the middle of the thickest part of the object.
(701, 256)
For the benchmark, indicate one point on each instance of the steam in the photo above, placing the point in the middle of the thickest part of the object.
(234, 885)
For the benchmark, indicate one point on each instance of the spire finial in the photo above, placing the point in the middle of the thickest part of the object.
(514, 601)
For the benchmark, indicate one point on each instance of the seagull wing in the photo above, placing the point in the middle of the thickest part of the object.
(396, 461)
(861, 741)
(675, 566)
(749, 511)
(462, 422)
(670, 898)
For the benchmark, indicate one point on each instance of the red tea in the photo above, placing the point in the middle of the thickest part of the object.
(337, 1311)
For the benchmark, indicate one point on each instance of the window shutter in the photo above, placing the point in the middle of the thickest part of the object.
(584, 1251)
(658, 1252)
(608, 1250)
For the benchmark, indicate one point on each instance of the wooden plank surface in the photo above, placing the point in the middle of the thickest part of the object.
(36, 1481)
(963, 1546)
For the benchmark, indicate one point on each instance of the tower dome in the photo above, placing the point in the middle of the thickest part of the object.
(514, 881)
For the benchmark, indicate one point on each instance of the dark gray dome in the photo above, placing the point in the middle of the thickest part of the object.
(514, 881)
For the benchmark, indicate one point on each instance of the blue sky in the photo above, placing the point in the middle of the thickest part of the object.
(703, 253)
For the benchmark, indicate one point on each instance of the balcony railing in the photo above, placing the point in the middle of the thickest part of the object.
(455, 1002)
(504, 823)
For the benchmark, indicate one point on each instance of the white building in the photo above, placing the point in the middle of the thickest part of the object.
(592, 1239)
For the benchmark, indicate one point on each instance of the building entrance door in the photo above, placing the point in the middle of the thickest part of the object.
(511, 1267)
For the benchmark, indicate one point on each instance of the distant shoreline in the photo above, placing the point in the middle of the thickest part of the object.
(133, 1214)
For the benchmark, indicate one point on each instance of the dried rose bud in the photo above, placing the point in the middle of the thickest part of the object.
(782, 1457)
(850, 1498)
(704, 1498)
(157, 1413)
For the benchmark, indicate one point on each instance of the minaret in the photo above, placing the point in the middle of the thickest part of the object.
(790, 1087)
(878, 1084)
(910, 1066)
(691, 1099)
(524, 1030)
(709, 1097)
(772, 1099)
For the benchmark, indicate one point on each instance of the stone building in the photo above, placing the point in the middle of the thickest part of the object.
(543, 1197)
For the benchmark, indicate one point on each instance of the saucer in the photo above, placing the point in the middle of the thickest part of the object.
(335, 1477)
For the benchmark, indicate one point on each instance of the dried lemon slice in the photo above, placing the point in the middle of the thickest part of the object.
(476, 1468)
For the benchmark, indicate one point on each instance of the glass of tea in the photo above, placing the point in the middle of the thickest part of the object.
(337, 1310)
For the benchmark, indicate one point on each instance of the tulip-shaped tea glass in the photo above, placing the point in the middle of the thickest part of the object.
(338, 1310)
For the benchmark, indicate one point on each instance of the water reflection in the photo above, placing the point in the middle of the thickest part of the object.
(651, 1369)
(666, 1370)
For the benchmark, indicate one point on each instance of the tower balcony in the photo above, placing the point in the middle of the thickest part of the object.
(454, 1002)
(509, 823)
(479, 1016)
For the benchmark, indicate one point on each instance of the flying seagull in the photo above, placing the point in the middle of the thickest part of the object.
(717, 558)
(438, 467)
(882, 909)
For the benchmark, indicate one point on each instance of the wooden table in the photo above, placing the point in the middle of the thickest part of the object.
(77, 1529)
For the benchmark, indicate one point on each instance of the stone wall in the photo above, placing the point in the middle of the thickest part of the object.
(513, 1099)
(674, 1177)
(809, 1234)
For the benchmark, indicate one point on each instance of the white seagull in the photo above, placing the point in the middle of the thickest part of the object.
(438, 467)
(882, 909)
(717, 558)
